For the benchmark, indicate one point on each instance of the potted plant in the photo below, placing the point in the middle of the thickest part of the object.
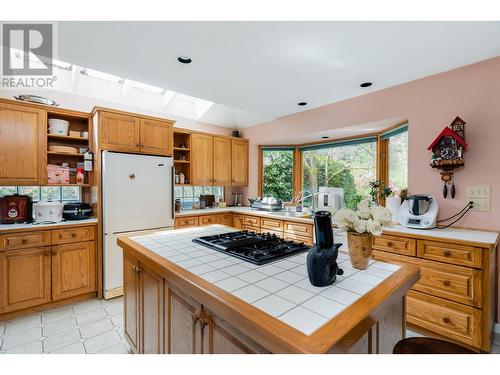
(361, 226)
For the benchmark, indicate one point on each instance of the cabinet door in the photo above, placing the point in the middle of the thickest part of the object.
(119, 132)
(184, 332)
(237, 221)
(131, 301)
(73, 269)
(226, 219)
(25, 280)
(22, 145)
(239, 162)
(222, 161)
(156, 137)
(202, 159)
(151, 311)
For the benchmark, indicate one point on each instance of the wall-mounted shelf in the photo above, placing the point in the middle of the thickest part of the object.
(182, 166)
(65, 154)
(182, 161)
(67, 138)
(181, 149)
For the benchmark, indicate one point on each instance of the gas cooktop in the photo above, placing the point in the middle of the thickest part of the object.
(252, 247)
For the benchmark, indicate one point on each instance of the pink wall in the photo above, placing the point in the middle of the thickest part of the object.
(472, 92)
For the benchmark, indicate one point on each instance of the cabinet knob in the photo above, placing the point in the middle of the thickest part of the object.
(24, 240)
(47, 253)
(447, 253)
(446, 283)
(73, 235)
(389, 244)
(446, 320)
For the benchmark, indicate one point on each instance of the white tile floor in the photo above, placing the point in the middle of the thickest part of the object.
(91, 326)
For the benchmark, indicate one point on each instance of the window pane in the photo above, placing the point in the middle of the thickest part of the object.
(277, 174)
(71, 193)
(7, 190)
(188, 192)
(50, 193)
(398, 161)
(350, 167)
(198, 190)
(32, 191)
(207, 190)
(178, 192)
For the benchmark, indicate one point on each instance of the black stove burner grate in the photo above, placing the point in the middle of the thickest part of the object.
(252, 247)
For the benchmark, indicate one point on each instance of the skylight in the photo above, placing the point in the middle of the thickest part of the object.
(101, 75)
(150, 88)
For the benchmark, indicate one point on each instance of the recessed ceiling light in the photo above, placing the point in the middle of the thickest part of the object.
(302, 104)
(366, 84)
(184, 60)
(325, 137)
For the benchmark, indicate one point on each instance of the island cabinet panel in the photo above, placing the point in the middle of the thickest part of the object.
(219, 337)
(239, 168)
(184, 324)
(202, 159)
(237, 221)
(131, 299)
(22, 145)
(73, 269)
(222, 161)
(25, 280)
(226, 219)
(119, 132)
(151, 311)
(156, 137)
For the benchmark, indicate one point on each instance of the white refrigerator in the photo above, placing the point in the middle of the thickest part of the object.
(137, 196)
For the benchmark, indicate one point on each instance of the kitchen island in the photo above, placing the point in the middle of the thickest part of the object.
(182, 297)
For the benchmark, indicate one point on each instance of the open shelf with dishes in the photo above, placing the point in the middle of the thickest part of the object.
(67, 142)
(182, 157)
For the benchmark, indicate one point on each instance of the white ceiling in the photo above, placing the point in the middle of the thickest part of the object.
(265, 68)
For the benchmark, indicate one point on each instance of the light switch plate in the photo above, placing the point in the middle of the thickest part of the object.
(482, 191)
(480, 204)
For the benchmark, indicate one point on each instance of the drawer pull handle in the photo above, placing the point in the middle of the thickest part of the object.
(389, 243)
(447, 253)
(446, 320)
(446, 283)
(24, 240)
(73, 235)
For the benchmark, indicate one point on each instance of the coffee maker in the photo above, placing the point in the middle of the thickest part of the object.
(322, 267)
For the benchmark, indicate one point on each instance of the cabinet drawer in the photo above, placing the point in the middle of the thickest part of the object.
(251, 221)
(271, 224)
(298, 229)
(250, 228)
(453, 320)
(450, 253)
(209, 219)
(24, 240)
(293, 237)
(69, 235)
(186, 222)
(393, 244)
(454, 283)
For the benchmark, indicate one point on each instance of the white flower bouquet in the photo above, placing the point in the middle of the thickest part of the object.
(365, 220)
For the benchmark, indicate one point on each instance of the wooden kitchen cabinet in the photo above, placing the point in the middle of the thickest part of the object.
(184, 324)
(239, 167)
(156, 137)
(22, 145)
(202, 162)
(237, 221)
(222, 161)
(119, 132)
(73, 269)
(25, 280)
(143, 301)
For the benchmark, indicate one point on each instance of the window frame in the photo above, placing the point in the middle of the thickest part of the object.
(381, 163)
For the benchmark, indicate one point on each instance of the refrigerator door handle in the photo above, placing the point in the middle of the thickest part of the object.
(173, 189)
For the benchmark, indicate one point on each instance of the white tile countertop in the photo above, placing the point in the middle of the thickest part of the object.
(470, 235)
(31, 226)
(280, 289)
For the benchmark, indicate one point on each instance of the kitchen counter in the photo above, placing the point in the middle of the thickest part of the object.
(470, 236)
(275, 305)
(29, 227)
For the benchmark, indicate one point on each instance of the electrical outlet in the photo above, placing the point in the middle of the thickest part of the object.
(480, 204)
(478, 191)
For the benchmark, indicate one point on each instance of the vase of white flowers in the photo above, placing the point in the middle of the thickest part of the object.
(361, 226)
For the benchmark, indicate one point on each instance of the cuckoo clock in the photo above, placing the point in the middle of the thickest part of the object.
(447, 152)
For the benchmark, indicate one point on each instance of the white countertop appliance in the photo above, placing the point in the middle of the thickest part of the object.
(418, 211)
(330, 199)
(138, 195)
(48, 212)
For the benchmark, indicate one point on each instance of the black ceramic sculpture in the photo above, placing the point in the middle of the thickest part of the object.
(322, 266)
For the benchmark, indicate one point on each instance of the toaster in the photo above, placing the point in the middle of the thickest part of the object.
(16, 209)
(48, 212)
(77, 211)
